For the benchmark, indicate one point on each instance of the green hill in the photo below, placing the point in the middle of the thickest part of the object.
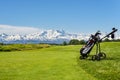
(60, 63)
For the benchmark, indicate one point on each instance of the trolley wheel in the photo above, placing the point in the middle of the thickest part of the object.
(81, 57)
(93, 57)
(96, 57)
(102, 55)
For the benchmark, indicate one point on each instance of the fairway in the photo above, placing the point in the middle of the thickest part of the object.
(60, 63)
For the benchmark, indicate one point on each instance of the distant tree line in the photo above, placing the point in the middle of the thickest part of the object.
(81, 42)
(113, 40)
(74, 42)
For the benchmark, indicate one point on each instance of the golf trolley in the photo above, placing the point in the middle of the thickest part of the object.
(95, 39)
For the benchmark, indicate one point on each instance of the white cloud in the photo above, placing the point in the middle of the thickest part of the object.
(18, 29)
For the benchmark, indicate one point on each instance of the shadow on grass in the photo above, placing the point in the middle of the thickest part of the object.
(107, 58)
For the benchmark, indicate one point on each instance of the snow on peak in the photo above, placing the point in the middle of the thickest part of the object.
(3, 35)
(45, 36)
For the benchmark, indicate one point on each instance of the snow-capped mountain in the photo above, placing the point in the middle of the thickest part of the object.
(46, 36)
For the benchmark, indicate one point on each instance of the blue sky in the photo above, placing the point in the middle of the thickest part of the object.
(74, 16)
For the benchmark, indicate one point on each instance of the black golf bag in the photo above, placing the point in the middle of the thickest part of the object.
(95, 39)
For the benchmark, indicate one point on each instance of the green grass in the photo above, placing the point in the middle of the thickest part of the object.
(60, 63)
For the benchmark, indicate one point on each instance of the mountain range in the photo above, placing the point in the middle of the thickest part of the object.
(45, 36)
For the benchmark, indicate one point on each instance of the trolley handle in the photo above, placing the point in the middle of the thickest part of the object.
(114, 30)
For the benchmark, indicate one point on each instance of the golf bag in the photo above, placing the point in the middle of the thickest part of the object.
(95, 39)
